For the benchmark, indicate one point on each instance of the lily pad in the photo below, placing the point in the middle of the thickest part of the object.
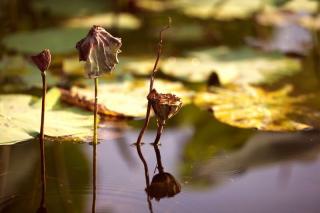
(73, 8)
(221, 10)
(58, 40)
(239, 66)
(254, 107)
(123, 99)
(20, 119)
(121, 20)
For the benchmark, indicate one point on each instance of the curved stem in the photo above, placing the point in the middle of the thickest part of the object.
(152, 77)
(41, 139)
(95, 122)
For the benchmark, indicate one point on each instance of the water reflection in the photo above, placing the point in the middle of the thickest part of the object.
(94, 177)
(42, 208)
(163, 184)
(146, 175)
(261, 150)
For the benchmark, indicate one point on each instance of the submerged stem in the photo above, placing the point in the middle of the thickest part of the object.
(152, 77)
(95, 119)
(41, 139)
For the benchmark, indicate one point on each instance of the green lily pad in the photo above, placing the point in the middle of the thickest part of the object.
(221, 10)
(73, 8)
(20, 119)
(124, 99)
(121, 20)
(58, 40)
(239, 66)
(16, 71)
(254, 107)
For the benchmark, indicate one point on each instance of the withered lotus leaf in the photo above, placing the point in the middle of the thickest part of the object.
(164, 106)
(99, 49)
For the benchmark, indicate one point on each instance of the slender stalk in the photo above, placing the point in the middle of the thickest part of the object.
(146, 174)
(159, 132)
(152, 77)
(94, 178)
(41, 139)
(158, 155)
(95, 120)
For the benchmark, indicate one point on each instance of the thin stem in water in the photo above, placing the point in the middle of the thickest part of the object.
(95, 122)
(159, 132)
(152, 77)
(41, 139)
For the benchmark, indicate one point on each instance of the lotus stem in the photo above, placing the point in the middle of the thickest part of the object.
(158, 155)
(152, 77)
(95, 119)
(41, 139)
(159, 133)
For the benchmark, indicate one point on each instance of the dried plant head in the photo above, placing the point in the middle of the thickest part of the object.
(99, 49)
(42, 60)
(163, 185)
(165, 106)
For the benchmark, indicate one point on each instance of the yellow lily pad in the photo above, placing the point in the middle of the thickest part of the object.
(124, 99)
(239, 66)
(20, 119)
(254, 107)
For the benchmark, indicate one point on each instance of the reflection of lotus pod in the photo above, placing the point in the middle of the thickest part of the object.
(163, 185)
(42, 60)
(100, 51)
(164, 106)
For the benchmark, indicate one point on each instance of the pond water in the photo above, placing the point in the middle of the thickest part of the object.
(260, 172)
(262, 65)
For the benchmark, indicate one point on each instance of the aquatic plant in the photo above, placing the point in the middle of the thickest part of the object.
(42, 61)
(99, 49)
(163, 184)
(165, 106)
(152, 77)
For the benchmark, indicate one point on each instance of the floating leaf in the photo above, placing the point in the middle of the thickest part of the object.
(232, 66)
(123, 99)
(73, 8)
(253, 107)
(221, 10)
(20, 119)
(121, 20)
(58, 40)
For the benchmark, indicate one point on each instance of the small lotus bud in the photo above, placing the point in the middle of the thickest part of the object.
(163, 185)
(164, 106)
(100, 51)
(42, 60)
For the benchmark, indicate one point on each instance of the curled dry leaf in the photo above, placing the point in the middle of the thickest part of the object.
(164, 106)
(123, 99)
(99, 49)
(254, 107)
